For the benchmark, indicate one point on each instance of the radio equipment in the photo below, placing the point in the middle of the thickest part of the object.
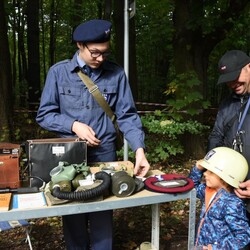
(9, 165)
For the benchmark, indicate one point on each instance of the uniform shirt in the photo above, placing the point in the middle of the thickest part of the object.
(66, 99)
(225, 225)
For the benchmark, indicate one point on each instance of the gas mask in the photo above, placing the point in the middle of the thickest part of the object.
(124, 185)
(68, 178)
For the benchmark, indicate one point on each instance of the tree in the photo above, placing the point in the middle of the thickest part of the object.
(199, 27)
(33, 52)
(21, 61)
(169, 41)
(6, 104)
(154, 50)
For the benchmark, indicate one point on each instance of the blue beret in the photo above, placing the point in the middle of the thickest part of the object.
(97, 31)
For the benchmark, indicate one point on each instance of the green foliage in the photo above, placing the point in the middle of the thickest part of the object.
(153, 48)
(163, 135)
(131, 155)
(26, 128)
(165, 128)
(183, 94)
(4, 136)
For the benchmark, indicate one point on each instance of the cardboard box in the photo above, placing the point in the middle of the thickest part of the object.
(127, 166)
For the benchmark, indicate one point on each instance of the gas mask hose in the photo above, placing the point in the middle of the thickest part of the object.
(87, 194)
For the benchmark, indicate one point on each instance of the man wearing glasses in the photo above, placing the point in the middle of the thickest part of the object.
(69, 109)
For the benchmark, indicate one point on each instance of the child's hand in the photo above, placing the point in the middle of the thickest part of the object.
(199, 166)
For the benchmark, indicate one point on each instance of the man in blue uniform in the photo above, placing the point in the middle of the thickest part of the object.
(69, 109)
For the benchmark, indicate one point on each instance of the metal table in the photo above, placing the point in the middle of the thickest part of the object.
(144, 197)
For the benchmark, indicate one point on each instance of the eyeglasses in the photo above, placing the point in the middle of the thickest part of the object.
(97, 53)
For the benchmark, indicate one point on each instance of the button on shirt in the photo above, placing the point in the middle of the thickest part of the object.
(66, 99)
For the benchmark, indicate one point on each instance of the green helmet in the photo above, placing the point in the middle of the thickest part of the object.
(228, 164)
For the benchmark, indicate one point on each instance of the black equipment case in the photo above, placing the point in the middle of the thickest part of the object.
(45, 154)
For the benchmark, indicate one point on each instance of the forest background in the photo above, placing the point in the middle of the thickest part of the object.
(174, 49)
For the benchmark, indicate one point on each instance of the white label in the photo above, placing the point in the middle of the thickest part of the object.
(58, 150)
(86, 182)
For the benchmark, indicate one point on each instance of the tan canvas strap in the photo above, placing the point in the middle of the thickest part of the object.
(94, 90)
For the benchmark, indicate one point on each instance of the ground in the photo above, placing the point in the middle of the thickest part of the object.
(131, 226)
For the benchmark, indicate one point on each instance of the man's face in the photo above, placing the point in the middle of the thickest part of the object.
(241, 85)
(93, 54)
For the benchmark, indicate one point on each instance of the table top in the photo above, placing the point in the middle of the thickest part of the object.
(141, 198)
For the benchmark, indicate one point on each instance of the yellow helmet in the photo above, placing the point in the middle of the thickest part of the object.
(228, 164)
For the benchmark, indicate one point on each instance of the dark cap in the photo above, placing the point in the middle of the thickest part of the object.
(96, 31)
(230, 65)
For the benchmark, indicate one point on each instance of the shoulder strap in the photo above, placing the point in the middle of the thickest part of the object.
(94, 90)
(244, 115)
(232, 120)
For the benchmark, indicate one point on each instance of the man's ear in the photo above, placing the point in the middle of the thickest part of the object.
(79, 45)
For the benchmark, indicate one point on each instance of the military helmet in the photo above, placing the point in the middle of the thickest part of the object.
(228, 164)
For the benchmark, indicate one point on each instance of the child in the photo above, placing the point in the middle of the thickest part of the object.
(223, 223)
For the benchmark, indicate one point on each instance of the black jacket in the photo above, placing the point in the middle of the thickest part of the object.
(226, 124)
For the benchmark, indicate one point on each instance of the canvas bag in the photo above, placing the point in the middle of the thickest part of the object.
(45, 154)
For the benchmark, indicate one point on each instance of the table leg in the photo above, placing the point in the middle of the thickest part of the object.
(155, 233)
(191, 227)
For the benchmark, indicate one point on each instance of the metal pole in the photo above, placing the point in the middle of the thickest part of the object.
(126, 60)
(155, 231)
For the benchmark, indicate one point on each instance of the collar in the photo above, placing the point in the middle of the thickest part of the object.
(245, 96)
(80, 62)
(209, 195)
(75, 64)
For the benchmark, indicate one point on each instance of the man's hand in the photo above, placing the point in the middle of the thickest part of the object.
(244, 190)
(85, 132)
(141, 164)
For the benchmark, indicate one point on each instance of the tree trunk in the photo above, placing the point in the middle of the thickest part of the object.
(52, 33)
(6, 104)
(107, 9)
(33, 52)
(21, 58)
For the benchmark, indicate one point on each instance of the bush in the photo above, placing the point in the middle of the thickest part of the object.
(165, 129)
(163, 135)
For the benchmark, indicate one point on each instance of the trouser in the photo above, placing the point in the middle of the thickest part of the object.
(91, 229)
(95, 230)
